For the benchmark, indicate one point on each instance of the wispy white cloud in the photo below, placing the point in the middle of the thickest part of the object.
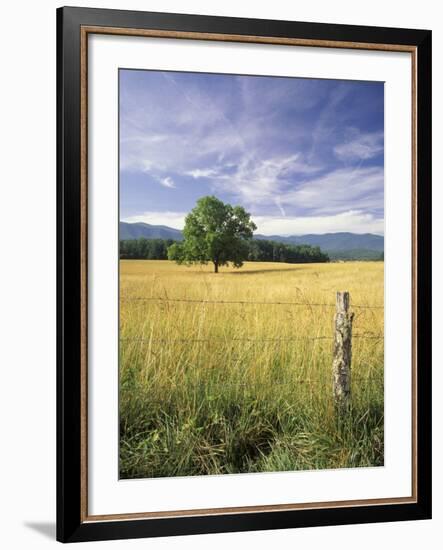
(203, 173)
(360, 146)
(289, 182)
(340, 190)
(167, 182)
(325, 125)
(256, 180)
(279, 206)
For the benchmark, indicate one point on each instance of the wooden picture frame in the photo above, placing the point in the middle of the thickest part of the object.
(74, 25)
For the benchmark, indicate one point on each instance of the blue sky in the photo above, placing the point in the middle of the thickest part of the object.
(301, 155)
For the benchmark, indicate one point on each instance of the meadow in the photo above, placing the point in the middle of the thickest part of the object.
(215, 379)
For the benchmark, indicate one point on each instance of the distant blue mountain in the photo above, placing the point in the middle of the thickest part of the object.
(129, 231)
(337, 245)
(333, 241)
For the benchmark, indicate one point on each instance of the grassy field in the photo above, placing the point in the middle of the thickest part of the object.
(216, 388)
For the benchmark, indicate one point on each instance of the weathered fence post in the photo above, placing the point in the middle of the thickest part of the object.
(341, 364)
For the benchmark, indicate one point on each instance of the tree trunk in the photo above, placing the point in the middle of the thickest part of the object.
(215, 267)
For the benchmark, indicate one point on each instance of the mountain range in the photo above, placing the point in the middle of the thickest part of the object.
(130, 231)
(341, 245)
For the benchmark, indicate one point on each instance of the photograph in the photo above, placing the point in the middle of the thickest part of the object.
(251, 273)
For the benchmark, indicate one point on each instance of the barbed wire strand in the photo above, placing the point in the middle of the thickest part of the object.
(242, 302)
(255, 340)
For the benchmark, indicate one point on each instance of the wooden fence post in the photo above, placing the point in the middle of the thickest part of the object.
(341, 364)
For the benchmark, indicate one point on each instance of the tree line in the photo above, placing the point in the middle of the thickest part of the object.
(258, 251)
(272, 251)
(145, 249)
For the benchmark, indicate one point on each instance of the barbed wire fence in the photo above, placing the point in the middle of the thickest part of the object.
(341, 339)
(242, 302)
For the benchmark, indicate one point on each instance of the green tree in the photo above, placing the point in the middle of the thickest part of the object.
(214, 232)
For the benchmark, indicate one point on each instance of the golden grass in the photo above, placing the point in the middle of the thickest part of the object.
(237, 387)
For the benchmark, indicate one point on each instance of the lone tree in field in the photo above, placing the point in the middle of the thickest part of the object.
(214, 232)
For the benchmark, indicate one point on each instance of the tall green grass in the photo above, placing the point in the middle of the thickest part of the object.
(209, 388)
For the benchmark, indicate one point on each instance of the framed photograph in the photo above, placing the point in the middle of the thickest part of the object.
(244, 274)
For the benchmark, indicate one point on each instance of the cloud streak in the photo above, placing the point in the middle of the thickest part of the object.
(361, 146)
(168, 182)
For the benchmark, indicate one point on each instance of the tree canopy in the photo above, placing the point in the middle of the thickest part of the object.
(214, 232)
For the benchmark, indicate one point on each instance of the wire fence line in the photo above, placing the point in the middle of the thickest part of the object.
(227, 340)
(341, 378)
(253, 340)
(241, 302)
(222, 339)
